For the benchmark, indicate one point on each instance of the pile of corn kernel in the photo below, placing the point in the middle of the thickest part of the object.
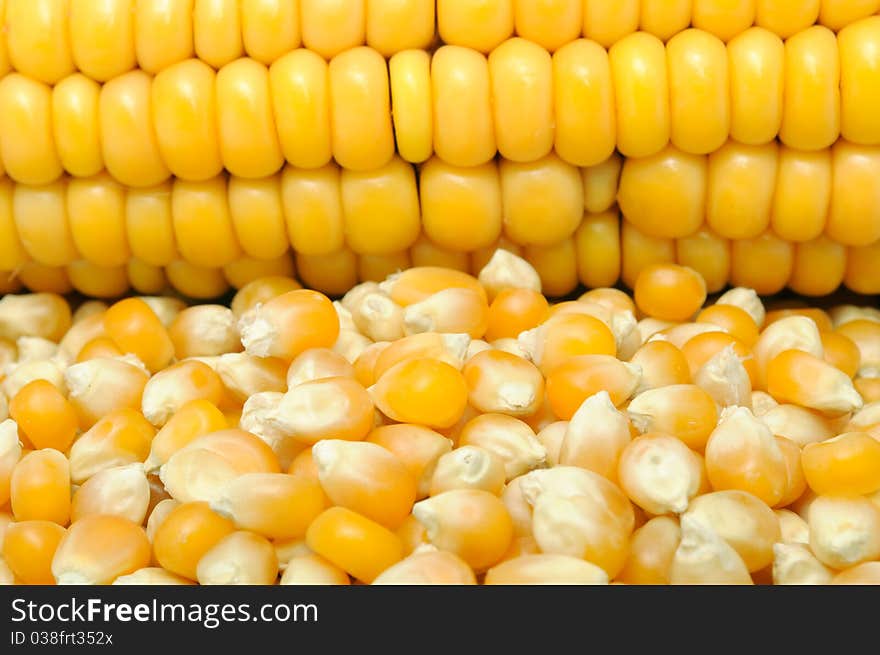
(440, 428)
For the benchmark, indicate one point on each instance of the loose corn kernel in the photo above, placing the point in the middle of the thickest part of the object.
(552, 436)
(506, 271)
(119, 491)
(425, 391)
(44, 415)
(846, 464)
(867, 573)
(510, 439)
(652, 549)
(659, 473)
(365, 478)
(199, 470)
(99, 548)
(703, 557)
(743, 454)
(275, 505)
(662, 365)
(244, 374)
(806, 380)
(457, 311)
(136, 329)
(188, 532)
(157, 516)
(328, 408)
(844, 530)
(581, 377)
(192, 420)
(119, 438)
(470, 523)
(289, 324)
(794, 529)
(841, 352)
(151, 575)
(547, 569)
(514, 311)
(99, 347)
(172, 388)
(868, 388)
(313, 570)
(668, 292)
(28, 548)
(796, 482)
(742, 520)
(354, 543)
(239, 558)
(418, 448)
(468, 467)
(428, 567)
(260, 291)
(789, 333)
(44, 315)
(795, 564)
(40, 487)
(98, 387)
(563, 337)
(204, 331)
(865, 334)
(378, 317)
(503, 383)
(595, 437)
(318, 364)
(10, 455)
(684, 411)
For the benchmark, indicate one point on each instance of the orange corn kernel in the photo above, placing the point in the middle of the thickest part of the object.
(418, 447)
(651, 551)
(275, 505)
(424, 391)
(331, 408)
(98, 549)
(136, 329)
(470, 523)
(28, 549)
(194, 419)
(840, 351)
(662, 364)
(289, 324)
(199, 470)
(743, 454)
(360, 547)
(669, 292)
(846, 464)
(40, 487)
(684, 411)
(44, 415)
(734, 320)
(365, 478)
(188, 532)
(514, 311)
(803, 379)
(571, 383)
(98, 347)
(119, 438)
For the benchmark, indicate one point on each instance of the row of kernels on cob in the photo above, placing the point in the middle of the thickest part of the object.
(521, 101)
(815, 215)
(487, 435)
(50, 39)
